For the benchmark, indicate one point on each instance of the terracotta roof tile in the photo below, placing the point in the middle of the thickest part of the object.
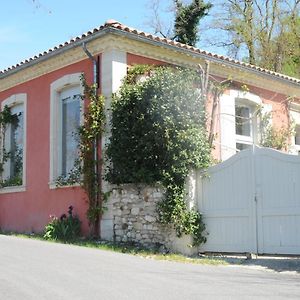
(116, 25)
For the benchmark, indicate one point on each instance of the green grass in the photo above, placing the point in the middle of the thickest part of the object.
(128, 249)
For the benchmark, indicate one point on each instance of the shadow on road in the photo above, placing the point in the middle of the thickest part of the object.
(275, 264)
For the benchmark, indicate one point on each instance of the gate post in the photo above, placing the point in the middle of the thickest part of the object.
(255, 198)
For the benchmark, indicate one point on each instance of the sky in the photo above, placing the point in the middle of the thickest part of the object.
(28, 27)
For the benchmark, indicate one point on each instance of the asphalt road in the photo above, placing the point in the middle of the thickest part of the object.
(31, 269)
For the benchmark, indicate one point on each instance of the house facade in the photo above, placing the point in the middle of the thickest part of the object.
(43, 94)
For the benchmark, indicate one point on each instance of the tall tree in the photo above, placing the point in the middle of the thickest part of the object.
(187, 19)
(267, 31)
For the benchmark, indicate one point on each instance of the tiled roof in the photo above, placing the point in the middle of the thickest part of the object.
(115, 25)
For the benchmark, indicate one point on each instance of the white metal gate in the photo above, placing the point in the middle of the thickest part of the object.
(251, 203)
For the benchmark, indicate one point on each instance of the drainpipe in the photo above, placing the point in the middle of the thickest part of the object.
(95, 68)
(95, 81)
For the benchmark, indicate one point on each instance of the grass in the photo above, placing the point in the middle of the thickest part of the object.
(128, 249)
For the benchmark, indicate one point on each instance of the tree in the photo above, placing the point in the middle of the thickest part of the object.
(267, 31)
(184, 28)
(187, 20)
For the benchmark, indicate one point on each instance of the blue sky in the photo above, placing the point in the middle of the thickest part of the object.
(28, 27)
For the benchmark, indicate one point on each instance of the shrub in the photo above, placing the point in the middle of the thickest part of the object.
(65, 228)
(159, 135)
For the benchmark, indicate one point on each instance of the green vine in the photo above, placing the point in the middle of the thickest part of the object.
(6, 118)
(90, 138)
(158, 135)
(87, 168)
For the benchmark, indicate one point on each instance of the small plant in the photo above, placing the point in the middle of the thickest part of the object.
(66, 228)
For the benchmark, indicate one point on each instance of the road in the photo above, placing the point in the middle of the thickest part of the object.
(32, 269)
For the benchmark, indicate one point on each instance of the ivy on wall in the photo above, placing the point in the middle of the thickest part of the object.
(158, 136)
(88, 166)
(14, 157)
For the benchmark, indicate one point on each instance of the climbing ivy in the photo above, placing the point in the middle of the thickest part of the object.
(6, 118)
(88, 166)
(159, 135)
(91, 165)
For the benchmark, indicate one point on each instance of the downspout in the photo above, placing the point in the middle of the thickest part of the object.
(96, 144)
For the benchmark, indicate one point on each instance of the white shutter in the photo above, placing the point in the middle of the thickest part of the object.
(227, 126)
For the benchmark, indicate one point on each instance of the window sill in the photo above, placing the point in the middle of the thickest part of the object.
(13, 189)
(53, 186)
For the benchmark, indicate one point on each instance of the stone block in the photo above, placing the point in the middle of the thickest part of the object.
(150, 219)
(135, 211)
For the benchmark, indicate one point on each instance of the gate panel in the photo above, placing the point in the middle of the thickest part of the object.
(278, 202)
(226, 199)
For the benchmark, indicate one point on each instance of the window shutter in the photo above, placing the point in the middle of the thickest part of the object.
(227, 126)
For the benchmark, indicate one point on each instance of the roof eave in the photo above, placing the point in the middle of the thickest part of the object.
(200, 55)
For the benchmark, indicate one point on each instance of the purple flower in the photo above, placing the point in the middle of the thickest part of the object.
(62, 217)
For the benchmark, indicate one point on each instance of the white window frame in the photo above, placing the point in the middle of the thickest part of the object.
(244, 139)
(15, 100)
(252, 101)
(295, 117)
(67, 81)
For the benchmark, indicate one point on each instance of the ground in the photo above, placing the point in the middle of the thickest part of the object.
(32, 269)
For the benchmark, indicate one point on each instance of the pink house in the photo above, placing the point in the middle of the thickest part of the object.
(43, 94)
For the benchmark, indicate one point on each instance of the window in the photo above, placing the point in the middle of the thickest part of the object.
(66, 116)
(70, 122)
(244, 125)
(239, 126)
(13, 145)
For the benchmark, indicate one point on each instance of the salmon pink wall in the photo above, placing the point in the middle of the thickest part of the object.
(278, 101)
(133, 59)
(29, 211)
(280, 115)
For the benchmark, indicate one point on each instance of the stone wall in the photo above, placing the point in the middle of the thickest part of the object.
(135, 217)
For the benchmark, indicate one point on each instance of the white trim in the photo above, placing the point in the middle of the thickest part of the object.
(113, 70)
(228, 136)
(247, 96)
(295, 116)
(13, 189)
(14, 100)
(53, 186)
(66, 81)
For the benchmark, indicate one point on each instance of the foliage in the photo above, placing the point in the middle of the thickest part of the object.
(158, 135)
(89, 135)
(87, 168)
(187, 20)
(6, 118)
(265, 33)
(66, 228)
(271, 137)
(138, 70)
